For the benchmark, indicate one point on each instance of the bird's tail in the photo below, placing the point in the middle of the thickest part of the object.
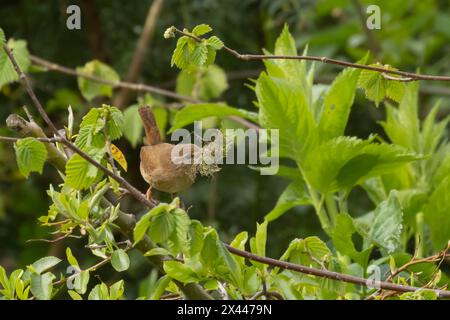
(150, 126)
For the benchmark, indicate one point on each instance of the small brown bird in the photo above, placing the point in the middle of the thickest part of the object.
(157, 167)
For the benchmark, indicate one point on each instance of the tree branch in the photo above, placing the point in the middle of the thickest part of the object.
(247, 57)
(331, 274)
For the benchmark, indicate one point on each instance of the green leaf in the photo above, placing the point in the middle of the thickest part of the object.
(74, 295)
(402, 124)
(180, 272)
(261, 239)
(294, 195)
(19, 49)
(91, 128)
(80, 174)
(2, 36)
(116, 290)
(160, 287)
(215, 43)
(120, 260)
(142, 225)
(31, 155)
(91, 89)
(161, 227)
(204, 84)
(386, 227)
(194, 112)
(283, 106)
(436, 215)
(196, 237)
(180, 56)
(41, 286)
(81, 282)
(308, 251)
(201, 29)
(343, 162)
(72, 260)
(45, 264)
(157, 252)
(377, 87)
(133, 126)
(179, 237)
(115, 123)
(338, 102)
(342, 239)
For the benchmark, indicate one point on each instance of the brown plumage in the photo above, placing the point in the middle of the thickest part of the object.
(157, 167)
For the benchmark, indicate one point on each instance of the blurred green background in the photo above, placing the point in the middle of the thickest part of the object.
(414, 35)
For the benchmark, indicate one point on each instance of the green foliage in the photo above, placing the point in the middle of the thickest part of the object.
(120, 260)
(294, 195)
(194, 112)
(190, 54)
(344, 162)
(91, 89)
(206, 84)
(377, 87)
(7, 72)
(31, 155)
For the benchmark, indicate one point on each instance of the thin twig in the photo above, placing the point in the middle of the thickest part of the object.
(247, 57)
(330, 274)
(47, 140)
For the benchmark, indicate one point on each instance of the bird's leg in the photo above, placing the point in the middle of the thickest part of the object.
(149, 194)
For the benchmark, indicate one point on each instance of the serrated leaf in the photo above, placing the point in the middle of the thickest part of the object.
(142, 225)
(31, 155)
(201, 29)
(115, 123)
(194, 112)
(377, 87)
(120, 260)
(91, 89)
(294, 195)
(180, 272)
(215, 43)
(199, 55)
(180, 56)
(284, 107)
(80, 174)
(161, 227)
(343, 162)
(19, 49)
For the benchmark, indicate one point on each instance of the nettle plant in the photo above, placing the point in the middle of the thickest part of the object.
(404, 238)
